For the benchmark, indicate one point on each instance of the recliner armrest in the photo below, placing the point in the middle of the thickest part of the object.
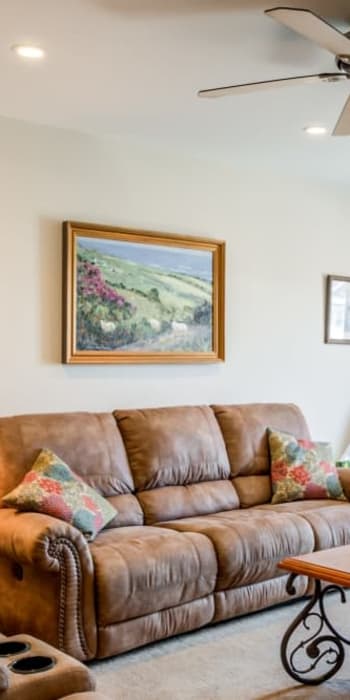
(34, 538)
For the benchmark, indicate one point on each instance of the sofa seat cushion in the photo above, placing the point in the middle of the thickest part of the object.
(328, 519)
(249, 544)
(331, 526)
(140, 570)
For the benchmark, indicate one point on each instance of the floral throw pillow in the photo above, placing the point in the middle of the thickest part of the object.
(302, 469)
(52, 488)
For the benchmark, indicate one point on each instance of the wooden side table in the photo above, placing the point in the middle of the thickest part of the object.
(312, 650)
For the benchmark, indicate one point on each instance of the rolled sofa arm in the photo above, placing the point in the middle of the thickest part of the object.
(344, 476)
(46, 567)
(34, 538)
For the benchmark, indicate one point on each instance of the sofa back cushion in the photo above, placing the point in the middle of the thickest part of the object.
(89, 443)
(178, 461)
(244, 431)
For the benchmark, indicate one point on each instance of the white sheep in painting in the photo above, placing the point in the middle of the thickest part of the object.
(155, 324)
(179, 327)
(108, 326)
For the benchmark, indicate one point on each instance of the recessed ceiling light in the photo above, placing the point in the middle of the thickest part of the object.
(28, 51)
(315, 130)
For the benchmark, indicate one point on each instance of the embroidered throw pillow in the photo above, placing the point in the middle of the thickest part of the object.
(302, 469)
(52, 488)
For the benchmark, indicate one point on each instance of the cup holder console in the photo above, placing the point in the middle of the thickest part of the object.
(12, 648)
(32, 664)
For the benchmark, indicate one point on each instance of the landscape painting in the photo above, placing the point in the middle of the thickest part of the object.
(141, 297)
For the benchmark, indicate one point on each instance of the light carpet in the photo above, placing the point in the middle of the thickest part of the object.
(236, 660)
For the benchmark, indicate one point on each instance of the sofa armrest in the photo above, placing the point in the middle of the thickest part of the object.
(344, 476)
(34, 538)
(54, 575)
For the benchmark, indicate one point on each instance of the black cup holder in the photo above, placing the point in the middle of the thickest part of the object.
(32, 664)
(11, 648)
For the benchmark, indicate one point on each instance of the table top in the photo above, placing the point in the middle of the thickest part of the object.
(332, 565)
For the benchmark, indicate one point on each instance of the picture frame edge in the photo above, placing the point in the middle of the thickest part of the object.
(327, 337)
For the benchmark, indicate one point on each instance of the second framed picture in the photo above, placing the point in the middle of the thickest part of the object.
(337, 309)
(137, 297)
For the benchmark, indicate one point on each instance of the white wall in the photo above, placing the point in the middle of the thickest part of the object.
(282, 237)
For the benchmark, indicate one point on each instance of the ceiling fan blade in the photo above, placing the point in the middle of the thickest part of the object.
(265, 84)
(312, 27)
(342, 127)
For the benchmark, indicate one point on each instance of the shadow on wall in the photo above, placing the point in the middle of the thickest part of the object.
(339, 9)
(50, 286)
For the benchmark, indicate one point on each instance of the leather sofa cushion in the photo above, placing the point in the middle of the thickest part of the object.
(330, 525)
(253, 490)
(250, 544)
(244, 430)
(173, 446)
(129, 511)
(172, 502)
(180, 449)
(141, 570)
(258, 596)
(129, 634)
(90, 443)
(329, 521)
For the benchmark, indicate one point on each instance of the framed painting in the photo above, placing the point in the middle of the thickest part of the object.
(337, 309)
(137, 296)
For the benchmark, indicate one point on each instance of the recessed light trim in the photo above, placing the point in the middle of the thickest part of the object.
(315, 130)
(25, 51)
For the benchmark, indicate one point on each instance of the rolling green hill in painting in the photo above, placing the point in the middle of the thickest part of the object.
(128, 306)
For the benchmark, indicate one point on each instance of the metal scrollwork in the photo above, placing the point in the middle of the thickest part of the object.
(318, 653)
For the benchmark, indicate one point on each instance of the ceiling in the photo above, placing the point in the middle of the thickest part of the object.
(131, 68)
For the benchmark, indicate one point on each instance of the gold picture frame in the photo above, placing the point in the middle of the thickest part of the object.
(141, 296)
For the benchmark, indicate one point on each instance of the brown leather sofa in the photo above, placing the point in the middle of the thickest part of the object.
(195, 541)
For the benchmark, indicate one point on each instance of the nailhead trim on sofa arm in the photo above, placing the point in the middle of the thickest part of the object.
(45, 545)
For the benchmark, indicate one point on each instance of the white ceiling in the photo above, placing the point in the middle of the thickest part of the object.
(131, 68)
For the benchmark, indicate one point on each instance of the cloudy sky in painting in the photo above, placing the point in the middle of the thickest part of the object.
(196, 263)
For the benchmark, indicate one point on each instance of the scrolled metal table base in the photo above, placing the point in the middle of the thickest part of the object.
(318, 653)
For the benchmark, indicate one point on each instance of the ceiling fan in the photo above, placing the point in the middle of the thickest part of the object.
(314, 27)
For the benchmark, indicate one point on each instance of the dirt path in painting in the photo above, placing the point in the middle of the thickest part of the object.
(194, 339)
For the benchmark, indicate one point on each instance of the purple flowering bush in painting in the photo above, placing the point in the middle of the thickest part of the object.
(92, 284)
(100, 307)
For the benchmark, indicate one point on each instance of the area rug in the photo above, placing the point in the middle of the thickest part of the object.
(236, 660)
